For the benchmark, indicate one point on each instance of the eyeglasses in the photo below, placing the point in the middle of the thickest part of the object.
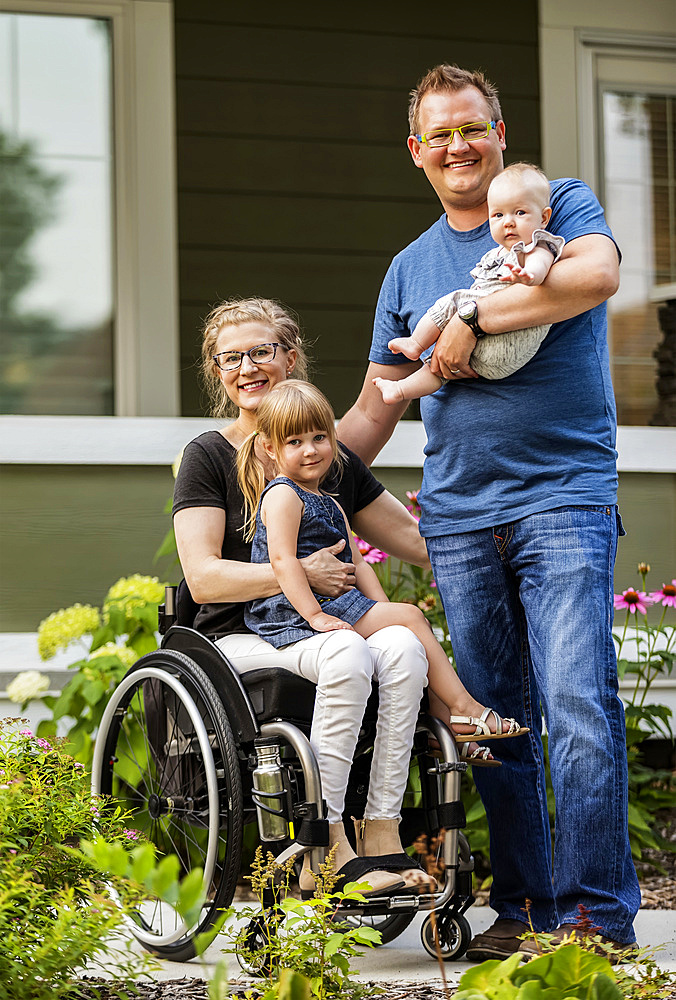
(444, 136)
(229, 361)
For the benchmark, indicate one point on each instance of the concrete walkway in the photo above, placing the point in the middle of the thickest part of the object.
(405, 958)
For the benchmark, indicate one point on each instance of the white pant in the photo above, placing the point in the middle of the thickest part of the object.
(342, 665)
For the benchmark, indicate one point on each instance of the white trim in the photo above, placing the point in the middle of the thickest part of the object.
(158, 440)
(147, 349)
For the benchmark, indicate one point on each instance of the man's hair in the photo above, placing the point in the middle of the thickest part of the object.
(527, 173)
(451, 78)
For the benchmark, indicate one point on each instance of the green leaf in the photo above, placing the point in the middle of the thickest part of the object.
(191, 896)
(293, 986)
(603, 988)
(333, 943)
(217, 987)
(142, 863)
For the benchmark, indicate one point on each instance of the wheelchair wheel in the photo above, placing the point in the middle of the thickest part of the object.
(165, 753)
(454, 933)
(390, 925)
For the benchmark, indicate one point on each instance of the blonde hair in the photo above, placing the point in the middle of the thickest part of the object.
(291, 407)
(451, 79)
(526, 173)
(236, 312)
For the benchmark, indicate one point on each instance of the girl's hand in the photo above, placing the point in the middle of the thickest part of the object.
(327, 623)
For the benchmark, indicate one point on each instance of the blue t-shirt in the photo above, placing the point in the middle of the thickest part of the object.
(544, 437)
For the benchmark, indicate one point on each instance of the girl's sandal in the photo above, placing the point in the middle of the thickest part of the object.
(504, 728)
(478, 756)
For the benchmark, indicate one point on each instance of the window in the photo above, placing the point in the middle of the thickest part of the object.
(56, 220)
(639, 192)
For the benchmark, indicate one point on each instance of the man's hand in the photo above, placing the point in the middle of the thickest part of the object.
(454, 347)
(327, 575)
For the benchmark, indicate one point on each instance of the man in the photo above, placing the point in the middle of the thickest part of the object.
(520, 519)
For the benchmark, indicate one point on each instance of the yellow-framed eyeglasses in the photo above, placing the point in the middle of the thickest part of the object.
(444, 136)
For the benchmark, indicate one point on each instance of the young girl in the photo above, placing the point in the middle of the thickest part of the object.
(291, 518)
(518, 213)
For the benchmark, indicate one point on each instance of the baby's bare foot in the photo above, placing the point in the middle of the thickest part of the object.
(406, 346)
(391, 391)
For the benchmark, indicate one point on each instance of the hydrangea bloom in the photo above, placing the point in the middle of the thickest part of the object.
(369, 553)
(26, 686)
(633, 600)
(62, 627)
(665, 596)
(127, 656)
(131, 592)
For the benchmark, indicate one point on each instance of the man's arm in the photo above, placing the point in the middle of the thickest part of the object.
(369, 424)
(586, 275)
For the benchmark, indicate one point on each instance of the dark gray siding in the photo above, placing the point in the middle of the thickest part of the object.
(294, 178)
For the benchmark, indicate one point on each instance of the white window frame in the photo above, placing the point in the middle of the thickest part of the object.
(572, 37)
(146, 346)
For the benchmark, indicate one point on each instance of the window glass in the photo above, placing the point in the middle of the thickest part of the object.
(639, 158)
(56, 229)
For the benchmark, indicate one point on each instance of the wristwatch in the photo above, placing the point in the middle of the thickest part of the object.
(467, 311)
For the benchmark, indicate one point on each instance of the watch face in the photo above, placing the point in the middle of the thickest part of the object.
(467, 310)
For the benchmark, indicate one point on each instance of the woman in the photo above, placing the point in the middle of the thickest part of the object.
(249, 346)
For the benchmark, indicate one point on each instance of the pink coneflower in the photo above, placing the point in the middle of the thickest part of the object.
(632, 600)
(665, 596)
(369, 553)
(414, 506)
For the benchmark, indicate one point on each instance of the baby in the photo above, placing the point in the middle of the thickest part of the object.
(518, 211)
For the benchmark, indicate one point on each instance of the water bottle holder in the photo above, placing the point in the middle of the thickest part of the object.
(257, 798)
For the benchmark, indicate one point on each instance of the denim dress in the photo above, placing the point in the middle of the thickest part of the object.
(322, 523)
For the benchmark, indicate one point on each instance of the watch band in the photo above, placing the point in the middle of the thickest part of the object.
(471, 318)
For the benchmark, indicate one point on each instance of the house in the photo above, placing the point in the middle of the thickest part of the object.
(156, 157)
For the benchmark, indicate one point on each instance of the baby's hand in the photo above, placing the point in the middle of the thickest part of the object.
(327, 623)
(517, 275)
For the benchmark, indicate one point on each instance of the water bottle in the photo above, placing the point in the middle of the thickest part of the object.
(269, 792)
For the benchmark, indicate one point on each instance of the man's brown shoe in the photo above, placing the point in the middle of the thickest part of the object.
(532, 948)
(499, 941)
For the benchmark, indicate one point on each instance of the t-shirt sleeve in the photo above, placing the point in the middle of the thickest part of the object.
(388, 322)
(358, 487)
(199, 483)
(576, 211)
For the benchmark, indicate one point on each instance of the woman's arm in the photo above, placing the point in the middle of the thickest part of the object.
(281, 513)
(386, 524)
(212, 579)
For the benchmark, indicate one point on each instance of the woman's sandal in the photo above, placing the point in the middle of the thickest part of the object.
(479, 756)
(353, 871)
(504, 728)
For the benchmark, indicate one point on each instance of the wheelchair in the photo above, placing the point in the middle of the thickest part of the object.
(194, 751)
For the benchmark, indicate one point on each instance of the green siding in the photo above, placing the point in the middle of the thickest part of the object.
(294, 180)
(74, 531)
(77, 529)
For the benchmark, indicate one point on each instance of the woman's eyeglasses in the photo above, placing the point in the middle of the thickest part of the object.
(229, 361)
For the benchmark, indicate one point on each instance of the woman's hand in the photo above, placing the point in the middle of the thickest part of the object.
(327, 623)
(328, 575)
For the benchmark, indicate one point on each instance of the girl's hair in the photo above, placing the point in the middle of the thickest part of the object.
(291, 407)
(236, 312)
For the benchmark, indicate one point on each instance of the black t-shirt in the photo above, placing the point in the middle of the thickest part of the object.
(207, 477)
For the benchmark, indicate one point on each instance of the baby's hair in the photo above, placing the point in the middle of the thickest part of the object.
(527, 173)
(291, 407)
(236, 312)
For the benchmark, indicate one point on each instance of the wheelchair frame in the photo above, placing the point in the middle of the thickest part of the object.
(177, 746)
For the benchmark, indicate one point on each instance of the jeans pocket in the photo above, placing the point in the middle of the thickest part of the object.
(620, 527)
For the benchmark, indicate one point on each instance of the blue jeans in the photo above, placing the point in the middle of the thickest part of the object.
(529, 608)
